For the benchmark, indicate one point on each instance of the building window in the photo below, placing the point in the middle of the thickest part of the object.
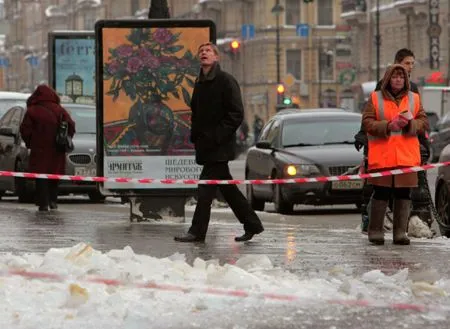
(89, 21)
(326, 66)
(325, 12)
(134, 6)
(216, 17)
(294, 62)
(292, 12)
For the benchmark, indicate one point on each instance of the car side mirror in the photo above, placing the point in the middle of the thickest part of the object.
(7, 131)
(264, 145)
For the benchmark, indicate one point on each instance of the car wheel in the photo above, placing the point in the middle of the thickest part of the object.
(256, 204)
(281, 206)
(96, 197)
(443, 209)
(20, 186)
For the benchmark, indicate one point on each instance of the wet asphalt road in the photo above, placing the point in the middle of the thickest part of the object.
(314, 239)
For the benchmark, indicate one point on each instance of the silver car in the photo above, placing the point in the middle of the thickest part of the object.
(82, 161)
(9, 99)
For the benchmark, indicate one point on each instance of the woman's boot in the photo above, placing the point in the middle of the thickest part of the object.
(402, 208)
(376, 220)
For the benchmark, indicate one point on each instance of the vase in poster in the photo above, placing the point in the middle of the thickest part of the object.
(148, 78)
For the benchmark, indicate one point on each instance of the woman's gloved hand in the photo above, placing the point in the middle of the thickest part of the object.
(398, 123)
(407, 115)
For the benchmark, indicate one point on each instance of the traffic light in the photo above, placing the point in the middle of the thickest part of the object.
(280, 93)
(235, 45)
(280, 89)
(234, 48)
(287, 101)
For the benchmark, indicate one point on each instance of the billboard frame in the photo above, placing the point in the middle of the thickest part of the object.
(147, 23)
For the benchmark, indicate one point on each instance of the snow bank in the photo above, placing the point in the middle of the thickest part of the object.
(77, 303)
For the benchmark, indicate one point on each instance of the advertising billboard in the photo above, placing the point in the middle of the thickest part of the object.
(72, 65)
(146, 74)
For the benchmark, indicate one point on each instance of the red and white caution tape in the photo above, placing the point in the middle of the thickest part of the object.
(299, 180)
(216, 291)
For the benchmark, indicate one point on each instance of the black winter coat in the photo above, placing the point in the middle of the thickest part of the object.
(217, 112)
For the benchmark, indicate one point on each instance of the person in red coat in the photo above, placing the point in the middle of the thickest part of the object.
(38, 131)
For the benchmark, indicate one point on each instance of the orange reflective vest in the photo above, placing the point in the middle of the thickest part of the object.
(399, 149)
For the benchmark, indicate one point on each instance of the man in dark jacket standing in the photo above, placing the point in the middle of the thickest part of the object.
(217, 112)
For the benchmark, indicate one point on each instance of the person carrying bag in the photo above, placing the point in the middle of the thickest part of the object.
(47, 130)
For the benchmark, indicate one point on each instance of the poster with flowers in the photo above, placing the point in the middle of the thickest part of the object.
(148, 75)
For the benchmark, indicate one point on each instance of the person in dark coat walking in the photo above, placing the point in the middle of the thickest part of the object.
(217, 112)
(258, 125)
(38, 131)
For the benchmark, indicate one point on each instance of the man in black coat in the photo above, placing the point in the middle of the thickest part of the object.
(217, 112)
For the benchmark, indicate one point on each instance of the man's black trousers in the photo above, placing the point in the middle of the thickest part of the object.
(233, 196)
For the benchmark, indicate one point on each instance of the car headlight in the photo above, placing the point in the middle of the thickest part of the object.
(301, 170)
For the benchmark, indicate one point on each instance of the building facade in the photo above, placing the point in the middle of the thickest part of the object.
(419, 25)
(28, 24)
(307, 32)
(260, 64)
(3, 32)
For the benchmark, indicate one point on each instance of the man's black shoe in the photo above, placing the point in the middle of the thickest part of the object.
(53, 205)
(246, 237)
(43, 209)
(188, 237)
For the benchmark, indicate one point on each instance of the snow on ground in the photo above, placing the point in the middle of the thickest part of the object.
(76, 302)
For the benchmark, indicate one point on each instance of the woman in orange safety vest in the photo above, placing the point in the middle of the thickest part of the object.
(392, 119)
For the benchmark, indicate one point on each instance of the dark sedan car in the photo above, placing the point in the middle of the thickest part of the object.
(305, 143)
(442, 196)
(81, 162)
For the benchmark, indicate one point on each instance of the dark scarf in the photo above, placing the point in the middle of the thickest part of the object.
(211, 74)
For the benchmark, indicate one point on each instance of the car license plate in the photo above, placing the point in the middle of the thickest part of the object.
(87, 172)
(347, 185)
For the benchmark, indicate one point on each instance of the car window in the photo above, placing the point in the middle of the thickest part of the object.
(443, 122)
(6, 118)
(444, 119)
(6, 104)
(433, 119)
(16, 117)
(273, 133)
(265, 131)
(320, 131)
(84, 118)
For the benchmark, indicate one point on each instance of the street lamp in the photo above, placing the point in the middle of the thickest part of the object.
(277, 10)
(74, 86)
(328, 54)
(378, 38)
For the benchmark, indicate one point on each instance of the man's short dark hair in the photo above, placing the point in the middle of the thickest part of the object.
(402, 54)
